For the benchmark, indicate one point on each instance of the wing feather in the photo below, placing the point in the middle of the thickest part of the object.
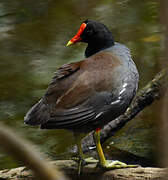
(70, 121)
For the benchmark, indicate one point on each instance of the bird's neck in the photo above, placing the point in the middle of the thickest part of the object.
(98, 45)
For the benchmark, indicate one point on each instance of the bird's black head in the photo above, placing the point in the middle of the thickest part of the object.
(95, 34)
(95, 31)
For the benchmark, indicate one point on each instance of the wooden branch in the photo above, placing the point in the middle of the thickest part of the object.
(90, 171)
(23, 151)
(152, 91)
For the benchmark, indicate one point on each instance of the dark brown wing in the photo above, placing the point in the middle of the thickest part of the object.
(62, 84)
(66, 103)
(66, 70)
(54, 109)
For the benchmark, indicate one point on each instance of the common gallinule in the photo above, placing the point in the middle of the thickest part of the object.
(85, 95)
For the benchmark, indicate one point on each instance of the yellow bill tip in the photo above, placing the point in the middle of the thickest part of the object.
(69, 43)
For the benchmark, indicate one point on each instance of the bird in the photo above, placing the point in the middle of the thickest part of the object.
(84, 96)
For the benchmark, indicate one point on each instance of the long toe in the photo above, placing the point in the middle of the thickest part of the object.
(116, 165)
(90, 160)
(85, 160)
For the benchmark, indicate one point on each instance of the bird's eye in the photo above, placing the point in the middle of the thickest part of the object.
(89, 31)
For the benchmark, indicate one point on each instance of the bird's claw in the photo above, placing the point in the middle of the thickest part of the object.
(116, 165)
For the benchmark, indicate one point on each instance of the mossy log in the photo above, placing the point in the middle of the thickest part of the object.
(90, 171)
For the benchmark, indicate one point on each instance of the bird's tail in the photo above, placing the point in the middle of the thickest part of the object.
(38, 114)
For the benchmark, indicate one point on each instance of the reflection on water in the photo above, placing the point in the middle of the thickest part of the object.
(33, 35)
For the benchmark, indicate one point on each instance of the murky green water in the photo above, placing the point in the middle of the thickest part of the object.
(33, 35)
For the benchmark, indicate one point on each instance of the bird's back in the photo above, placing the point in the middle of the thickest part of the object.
(88, 94)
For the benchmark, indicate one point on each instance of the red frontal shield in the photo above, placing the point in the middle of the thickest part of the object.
(77, 37)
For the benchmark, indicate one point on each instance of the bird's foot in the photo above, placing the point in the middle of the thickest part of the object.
(86, 160)
(90, 160)
(83, 161)
(109, 164)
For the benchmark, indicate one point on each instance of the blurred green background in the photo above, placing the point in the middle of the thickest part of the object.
(33, 35)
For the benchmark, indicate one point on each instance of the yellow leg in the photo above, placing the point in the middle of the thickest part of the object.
(78, 138)
(106, 164)
(81, 159)
(79, 145)
(102, 159)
